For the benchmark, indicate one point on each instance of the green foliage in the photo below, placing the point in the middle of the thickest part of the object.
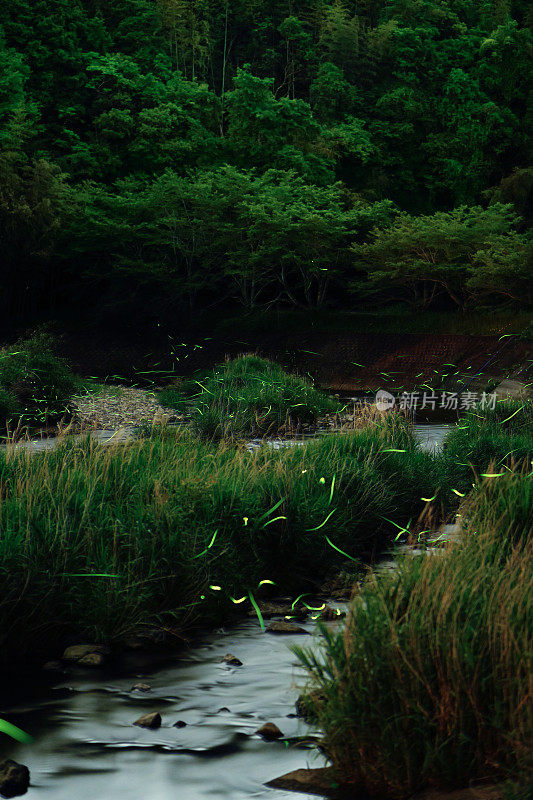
(410, 694)
(504, 504)
(279, 236)
(35, 383)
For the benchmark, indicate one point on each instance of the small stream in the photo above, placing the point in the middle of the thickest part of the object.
(87, 747)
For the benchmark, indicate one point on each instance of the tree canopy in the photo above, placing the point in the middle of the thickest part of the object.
(265, 151)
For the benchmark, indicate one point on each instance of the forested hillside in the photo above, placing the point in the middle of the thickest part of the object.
(189, 153)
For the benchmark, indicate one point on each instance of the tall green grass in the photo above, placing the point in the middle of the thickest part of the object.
(98, 541)
(503, 435)
(430, 682)
(248, 396)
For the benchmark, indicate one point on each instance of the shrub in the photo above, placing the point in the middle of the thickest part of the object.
(428, 683)
(39, 381)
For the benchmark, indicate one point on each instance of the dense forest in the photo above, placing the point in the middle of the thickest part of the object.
(183, 154)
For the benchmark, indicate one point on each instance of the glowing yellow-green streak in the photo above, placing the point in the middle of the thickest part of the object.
(257, 611)
(331, 493)
(322, 523)
(339, 550)
(208, 546)
(15, 733)
(512, 415)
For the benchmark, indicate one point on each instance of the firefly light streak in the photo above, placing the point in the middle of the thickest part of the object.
(257, 611)
(339, 550)
(208, 546)
(15, 733)
(402, 530)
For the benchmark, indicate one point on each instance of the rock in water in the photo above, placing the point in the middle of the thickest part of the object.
(330, 614)
(14, 778)
(141, 687)
(149, 721)
(270, 731)
(280, 609)
(53, 665)
(306, 703)
(78, 651)
(284, 627)
(233, 661)
(91, 660)
(311, 781)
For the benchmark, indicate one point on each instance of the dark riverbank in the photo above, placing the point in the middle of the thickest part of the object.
(350, 354)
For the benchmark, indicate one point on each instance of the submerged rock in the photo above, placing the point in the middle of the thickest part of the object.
(180, 724)
(232, 660)
(284, 627)
(270, 731)
(141, 687)
(312, 781)
(14, 778)
(149, 721)
(134, 643)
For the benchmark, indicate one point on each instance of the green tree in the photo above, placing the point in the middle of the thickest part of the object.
(446, 252)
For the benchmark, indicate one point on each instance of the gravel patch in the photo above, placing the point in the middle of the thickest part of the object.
(118, 406)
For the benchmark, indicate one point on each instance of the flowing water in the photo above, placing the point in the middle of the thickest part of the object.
(431, 438)
(87, 747)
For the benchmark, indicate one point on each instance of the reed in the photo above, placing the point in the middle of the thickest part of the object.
(430, 682)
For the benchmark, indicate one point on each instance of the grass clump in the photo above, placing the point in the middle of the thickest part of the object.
(35, 384)
(430, 682)
(248, 396)
(99, 542)
(503, 435)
